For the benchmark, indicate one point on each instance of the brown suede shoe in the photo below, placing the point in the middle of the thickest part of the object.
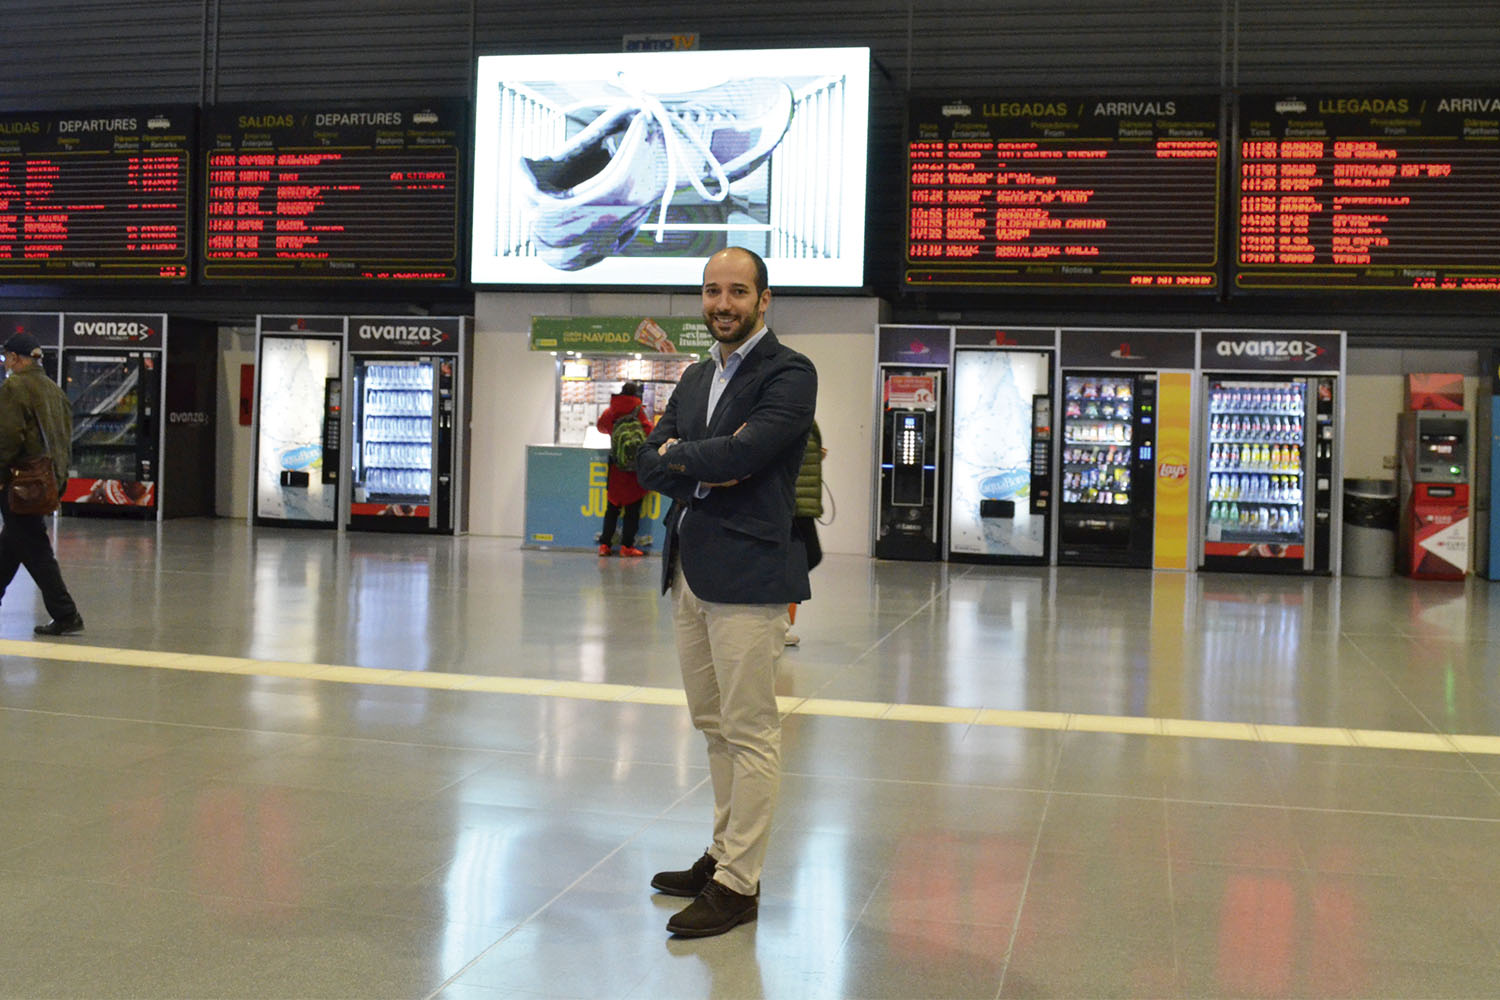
(687, 883)
(717, 909)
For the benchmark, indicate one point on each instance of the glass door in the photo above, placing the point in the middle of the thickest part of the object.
(1098, 419)
(1256, 490)
(393, 428)
(113, 443)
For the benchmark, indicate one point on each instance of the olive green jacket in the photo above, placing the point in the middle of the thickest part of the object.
(810, 478)
(29, 393)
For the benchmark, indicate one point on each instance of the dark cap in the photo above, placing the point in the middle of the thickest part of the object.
(630, 389)
(24, 344)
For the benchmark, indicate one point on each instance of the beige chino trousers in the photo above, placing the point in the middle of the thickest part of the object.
(728, 656)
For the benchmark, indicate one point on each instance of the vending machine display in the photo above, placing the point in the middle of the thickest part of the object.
(1256, 476)
(114, 399)
(393, 427)
(1107, 464)
(1265, 500)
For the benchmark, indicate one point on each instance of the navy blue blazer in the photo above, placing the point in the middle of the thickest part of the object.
(736, 545)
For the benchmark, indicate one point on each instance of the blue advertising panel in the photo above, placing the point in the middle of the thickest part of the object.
(565, 499)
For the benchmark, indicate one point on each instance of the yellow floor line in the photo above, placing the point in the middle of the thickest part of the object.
(1079, 722)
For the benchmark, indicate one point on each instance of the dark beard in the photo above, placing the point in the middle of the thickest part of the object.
(739, 334)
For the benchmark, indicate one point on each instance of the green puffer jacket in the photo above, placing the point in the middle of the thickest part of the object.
(22, 394)
(810, 477)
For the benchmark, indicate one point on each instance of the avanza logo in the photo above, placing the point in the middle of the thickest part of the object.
(1171, 470)
(404, 334)
(1288, 350)
(109, 330)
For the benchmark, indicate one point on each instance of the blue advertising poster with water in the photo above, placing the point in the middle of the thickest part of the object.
(992, 394)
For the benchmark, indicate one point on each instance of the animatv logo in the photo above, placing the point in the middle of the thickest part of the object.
(1273, 350)
(111, 330)
(403, 334)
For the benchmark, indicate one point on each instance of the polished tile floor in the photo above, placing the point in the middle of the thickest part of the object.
(294, 764)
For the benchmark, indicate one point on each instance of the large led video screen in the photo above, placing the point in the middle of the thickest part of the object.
(628, 169)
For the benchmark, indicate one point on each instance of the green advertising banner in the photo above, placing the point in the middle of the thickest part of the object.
(620, 334)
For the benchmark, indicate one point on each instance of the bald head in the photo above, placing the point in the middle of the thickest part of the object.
(762, 277)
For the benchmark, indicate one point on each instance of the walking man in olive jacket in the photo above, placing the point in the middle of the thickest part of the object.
(35, 418)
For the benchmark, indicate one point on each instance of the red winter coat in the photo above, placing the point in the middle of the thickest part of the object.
(623, 487)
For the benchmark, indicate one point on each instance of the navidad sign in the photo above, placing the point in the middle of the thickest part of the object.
(620, 334)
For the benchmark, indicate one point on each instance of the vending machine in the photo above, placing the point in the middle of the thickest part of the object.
(1270, 430)
(1108, 468)
(1433, 486)
(298, 422)
(912, 373)
(1000, 459)
(910, 435)
(408, 404)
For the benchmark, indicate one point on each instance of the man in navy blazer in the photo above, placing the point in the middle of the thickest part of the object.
(727, 452)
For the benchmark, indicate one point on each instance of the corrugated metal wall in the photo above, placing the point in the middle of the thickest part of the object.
(62, 54)
(67, 53)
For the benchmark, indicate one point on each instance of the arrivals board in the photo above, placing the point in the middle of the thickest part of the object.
(1051, 193)
(96, 195)
(1348, 192)
(326, 192)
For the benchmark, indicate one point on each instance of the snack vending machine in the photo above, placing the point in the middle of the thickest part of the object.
(1108, 468)
(408, 404)
(111, 368)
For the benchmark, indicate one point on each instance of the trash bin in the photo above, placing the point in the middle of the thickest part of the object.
(1371, 510)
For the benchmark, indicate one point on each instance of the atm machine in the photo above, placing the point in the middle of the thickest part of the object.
(910, 431)
(1433, 485)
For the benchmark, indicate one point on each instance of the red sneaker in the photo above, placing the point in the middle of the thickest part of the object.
(627, 550)
(605, 550)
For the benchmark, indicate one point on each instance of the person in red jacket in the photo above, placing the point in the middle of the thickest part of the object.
(623, 490)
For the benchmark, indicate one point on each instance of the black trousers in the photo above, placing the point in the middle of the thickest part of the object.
(627, 530)
(24, 542)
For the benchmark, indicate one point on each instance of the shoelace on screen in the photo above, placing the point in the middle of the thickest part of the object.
(677, 125)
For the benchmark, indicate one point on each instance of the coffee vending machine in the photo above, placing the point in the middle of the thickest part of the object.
(907, 521)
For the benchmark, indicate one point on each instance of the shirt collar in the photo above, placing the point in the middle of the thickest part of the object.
(717, 350)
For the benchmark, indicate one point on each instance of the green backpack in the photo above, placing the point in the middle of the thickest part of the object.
(625, 439)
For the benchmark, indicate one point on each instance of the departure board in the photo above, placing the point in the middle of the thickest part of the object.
(100, 195)
(1110, 194)
(299, 192)
(1391, 192)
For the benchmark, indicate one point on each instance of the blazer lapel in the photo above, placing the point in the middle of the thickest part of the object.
(737, 385)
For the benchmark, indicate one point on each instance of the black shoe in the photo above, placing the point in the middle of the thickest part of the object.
(717, 909)
(688, 883)
(61, 626)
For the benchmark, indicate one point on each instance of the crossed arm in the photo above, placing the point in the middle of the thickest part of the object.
(779, 415)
